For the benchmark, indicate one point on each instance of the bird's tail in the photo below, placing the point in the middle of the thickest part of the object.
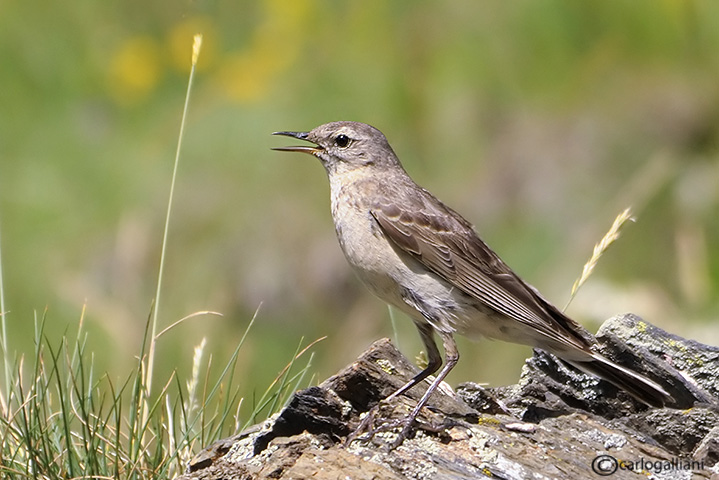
(638, 386)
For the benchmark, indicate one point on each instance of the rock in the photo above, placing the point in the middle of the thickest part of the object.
(707, 450)
(556, 422)
(315, 410)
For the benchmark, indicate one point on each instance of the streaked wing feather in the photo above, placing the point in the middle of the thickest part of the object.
(447, 245)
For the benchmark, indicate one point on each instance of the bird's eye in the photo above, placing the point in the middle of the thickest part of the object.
(342, 141)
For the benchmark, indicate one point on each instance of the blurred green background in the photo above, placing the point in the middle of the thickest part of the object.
(538, 121)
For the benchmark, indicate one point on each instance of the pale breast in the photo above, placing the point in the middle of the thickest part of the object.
(364, 245)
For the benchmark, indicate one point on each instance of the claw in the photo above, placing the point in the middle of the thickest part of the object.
(367, 429)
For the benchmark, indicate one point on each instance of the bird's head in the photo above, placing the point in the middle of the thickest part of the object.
(345, 146)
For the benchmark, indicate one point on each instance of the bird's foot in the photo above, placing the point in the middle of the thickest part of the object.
(369, 426)
(376, 421)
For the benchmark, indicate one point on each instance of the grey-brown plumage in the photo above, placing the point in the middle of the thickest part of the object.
(421, 256)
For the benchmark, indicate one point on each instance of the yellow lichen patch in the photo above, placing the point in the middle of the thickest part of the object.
(488, 421)
(386, 366)
(670, 342)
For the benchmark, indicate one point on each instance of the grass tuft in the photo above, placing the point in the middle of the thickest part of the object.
(59, 419)
(65, 421)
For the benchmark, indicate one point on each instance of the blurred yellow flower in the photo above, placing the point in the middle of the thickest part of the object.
(246, 75)
(275, 44)
(135, 69)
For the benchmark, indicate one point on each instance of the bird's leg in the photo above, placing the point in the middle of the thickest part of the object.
(434, 361)
(452, 355)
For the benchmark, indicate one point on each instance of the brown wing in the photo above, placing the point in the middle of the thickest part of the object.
(446, 244)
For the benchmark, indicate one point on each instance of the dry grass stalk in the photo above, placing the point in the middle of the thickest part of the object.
(610, 237)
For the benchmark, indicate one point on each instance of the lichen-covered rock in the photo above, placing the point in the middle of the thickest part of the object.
(555, 423)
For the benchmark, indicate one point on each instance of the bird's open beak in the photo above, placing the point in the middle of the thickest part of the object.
(312, 150)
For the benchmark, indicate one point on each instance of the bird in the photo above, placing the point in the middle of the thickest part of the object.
(422, 257)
